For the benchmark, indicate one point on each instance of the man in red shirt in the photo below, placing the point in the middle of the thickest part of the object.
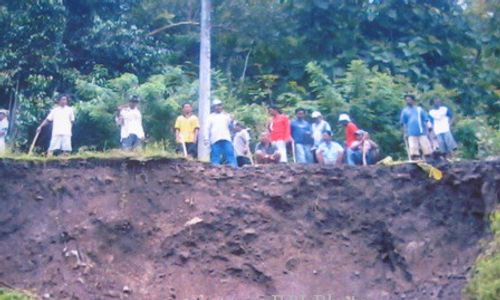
(279, 131)
(350, 136)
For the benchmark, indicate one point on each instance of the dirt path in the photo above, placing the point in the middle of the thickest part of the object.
(167, 229)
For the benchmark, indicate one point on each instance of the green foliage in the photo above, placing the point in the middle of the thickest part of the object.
(253, 116)
(162, 96)
(330, 101)
(329, 55)
(355, 82)
(478, 139)
(375, 105)
(14, 295)
(485, 281)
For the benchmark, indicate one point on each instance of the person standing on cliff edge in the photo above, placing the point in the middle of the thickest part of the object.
(186, 128)
(4, 127)
(62, 117)
(279, 131)
(130, 120)
(218, 136)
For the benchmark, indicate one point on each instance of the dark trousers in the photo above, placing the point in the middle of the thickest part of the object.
(191, 148)
(131, 142)
(243, 160)
(357, 157)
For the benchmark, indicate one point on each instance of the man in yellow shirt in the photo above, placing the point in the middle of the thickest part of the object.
(186, 131)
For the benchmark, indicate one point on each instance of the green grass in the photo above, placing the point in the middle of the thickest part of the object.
(15, 295)
(485, 281)
(112, 154)
(149, 151)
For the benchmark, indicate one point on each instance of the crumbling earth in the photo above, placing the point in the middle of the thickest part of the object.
(171, 229)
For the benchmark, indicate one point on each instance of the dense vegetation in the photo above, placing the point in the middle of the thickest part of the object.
(13, 295)
(356, 56)
(485, 282)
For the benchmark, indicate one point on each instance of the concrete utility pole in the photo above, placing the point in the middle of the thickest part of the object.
(204, 92)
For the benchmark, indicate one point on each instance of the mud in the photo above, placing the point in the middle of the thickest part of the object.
(170, 229)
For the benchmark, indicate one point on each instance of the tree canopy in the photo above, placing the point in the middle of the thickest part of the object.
(356, 56)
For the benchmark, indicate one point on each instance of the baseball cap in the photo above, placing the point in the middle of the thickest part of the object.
(316, 114)
(344, 117)
(216, 102)
(134, 98)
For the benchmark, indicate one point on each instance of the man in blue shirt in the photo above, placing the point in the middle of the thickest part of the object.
(415, 121)
(302, 137)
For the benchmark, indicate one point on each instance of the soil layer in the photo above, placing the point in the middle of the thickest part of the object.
(171, 229)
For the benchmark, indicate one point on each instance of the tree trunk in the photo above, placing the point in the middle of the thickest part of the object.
(204, 92)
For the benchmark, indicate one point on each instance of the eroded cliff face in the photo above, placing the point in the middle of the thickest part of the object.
(171, 229)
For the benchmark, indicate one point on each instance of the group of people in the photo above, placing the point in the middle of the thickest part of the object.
(62, 117)
(229, 140)
(304, 141)
(425, 134)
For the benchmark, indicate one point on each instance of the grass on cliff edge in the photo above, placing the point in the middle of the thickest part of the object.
(485, 281)
(14, 295)
(111, 154)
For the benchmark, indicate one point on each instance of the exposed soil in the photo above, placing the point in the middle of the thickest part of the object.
(170, 229)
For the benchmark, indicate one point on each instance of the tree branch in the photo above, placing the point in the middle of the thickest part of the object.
(242, 78)
(171, 26)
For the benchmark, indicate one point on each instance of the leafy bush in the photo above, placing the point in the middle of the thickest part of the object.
(485, 282)
(477, 138)
(14, 295)
(162, 96)
(254, 116)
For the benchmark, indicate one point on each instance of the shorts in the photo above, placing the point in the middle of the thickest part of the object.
(419, 143)
(243, 160)
(2, 145)
(60, 142)
(131, 142)
(446, 142)
(281, 145)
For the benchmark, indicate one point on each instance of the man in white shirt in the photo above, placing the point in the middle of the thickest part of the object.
(441, 117)
(319, 126)
(329, 152)
(241, 142)
(130, 120)
(4, 127)
(218, 135)
(62, 117)
(364, 149)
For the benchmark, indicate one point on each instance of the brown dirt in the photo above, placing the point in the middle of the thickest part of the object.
(116, 229)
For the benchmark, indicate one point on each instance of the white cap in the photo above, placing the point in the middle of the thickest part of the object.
(344, 117)
(4, 111)
(316, 114)
(216, 102)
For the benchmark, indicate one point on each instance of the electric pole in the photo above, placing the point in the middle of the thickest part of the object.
(204, 91)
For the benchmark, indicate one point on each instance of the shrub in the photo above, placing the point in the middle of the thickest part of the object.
(14, 295)
(485, 282)
(477, 138)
